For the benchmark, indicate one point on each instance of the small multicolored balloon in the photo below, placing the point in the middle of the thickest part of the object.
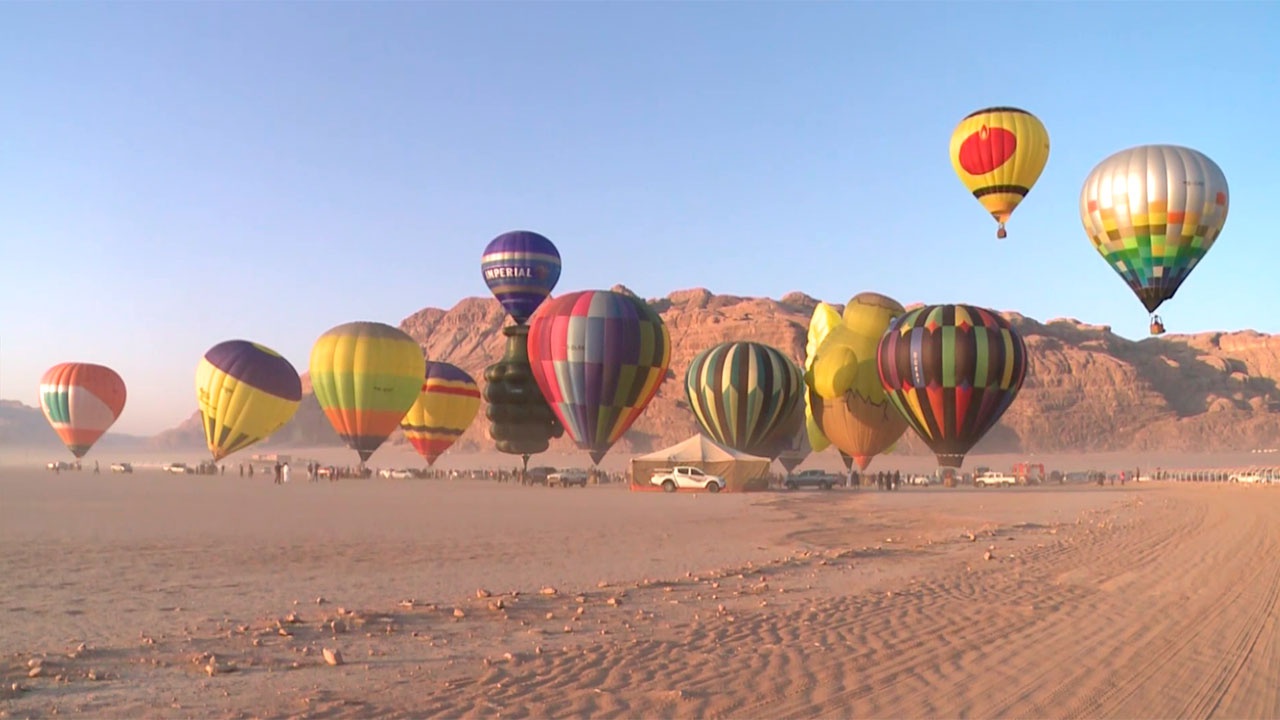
(81, 401)
(521, 269)
(246, 392)
(445, 407)
(366, 376)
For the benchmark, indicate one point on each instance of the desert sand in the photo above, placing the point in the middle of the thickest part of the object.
(149, 595)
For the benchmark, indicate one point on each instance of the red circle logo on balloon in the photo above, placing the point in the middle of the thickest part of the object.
(986, 150)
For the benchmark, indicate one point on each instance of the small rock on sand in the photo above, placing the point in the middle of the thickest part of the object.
(459, 613)
(332, 656)
(548, 590)
(482, 593)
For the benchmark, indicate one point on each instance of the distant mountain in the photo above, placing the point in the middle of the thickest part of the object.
(1087, 389)
(25, 426)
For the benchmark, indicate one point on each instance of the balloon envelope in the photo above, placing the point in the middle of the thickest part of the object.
(446, 405)
(520, 268)
(599, 357)
(1153, 212)
(857, 417)
(742, 393)
(245, 392)
(366, 376)
(952, 371)
(999, 153)
(80, 401)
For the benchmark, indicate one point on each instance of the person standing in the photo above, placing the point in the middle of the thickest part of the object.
(95, 467)
(284, 472)
(277, 469)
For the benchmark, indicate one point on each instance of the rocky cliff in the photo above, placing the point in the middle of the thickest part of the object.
(1087, 389)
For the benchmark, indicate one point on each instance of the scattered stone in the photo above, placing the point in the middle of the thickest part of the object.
(93, 675)
(292, 618)
(548, 591)
(35, 672)
(568, 628)
(338, 626)
(410, 603)
(580, 599)
(459, 613)
(602, 584)
(320, 601)
(987, 555)
(332, 656)
(35, 662)
(482, 593)
(496, 605)
(551, 616)
(284, 633)
(615, 602)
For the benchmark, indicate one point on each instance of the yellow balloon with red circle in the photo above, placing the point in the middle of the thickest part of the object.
(999, 153)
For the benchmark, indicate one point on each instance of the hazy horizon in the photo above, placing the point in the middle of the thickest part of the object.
(188, 174)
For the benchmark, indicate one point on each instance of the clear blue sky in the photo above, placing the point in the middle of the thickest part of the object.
(178, 174)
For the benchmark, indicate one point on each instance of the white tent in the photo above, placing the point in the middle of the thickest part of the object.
(740, 471)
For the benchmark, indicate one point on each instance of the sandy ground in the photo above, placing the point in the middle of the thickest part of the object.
(149, 595)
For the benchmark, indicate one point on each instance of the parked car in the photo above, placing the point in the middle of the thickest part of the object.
(812, 478)
(121, 467)
(567, 477)
(178, 468)
(992, 478)
(537, 475)
(686, 477)
(398, 473)
(919, 480)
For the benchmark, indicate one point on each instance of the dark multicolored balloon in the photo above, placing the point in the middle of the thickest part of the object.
(598, 356)
(521, 268)
(747, 396)
(443, 411)
(952, 371)
(245, 392)
(80, 401)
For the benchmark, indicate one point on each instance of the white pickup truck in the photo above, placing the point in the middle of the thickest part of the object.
(987, 479)
(686, 477)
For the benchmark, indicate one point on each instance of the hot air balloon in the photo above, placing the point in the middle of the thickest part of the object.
(1153, 212)
(796, 450)
(846, 398)
(521, 268)
(366, 376)
(80, 401)
(598, 356)
(999, 153)
(245, 392)
(445, 407)
(952, 371)
(741, 394)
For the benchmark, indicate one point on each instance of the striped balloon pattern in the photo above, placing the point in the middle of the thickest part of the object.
(81, 401)
(599, 357)
(245, 392)
(446, 405)
(521, 269)
(952, 371)
(366, 376)
(747, 396)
